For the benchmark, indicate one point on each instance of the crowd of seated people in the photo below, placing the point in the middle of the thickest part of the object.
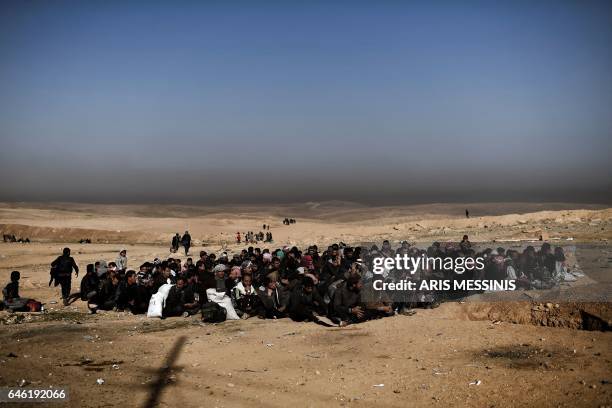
(310, 285)
(529, 268)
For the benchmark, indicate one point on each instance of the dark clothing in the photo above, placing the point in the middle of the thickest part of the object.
(303, 305)
(175, 242)
(61, 271)
(495, 270)
(175, 303)
(529, 266)
(249, 303)
(89, 287)
(64, 265)
(189, 297)
(12, 301)
(108, 295)
(132, 297)
(547, 261)
(206, 281)
(345, 299)
(272, 304)
(66, 284)
(11, 291)
(331, 273)
(186, 241)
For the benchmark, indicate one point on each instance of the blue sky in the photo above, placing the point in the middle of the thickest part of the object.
(312, 99)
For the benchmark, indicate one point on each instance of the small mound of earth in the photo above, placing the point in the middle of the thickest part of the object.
(571, 315)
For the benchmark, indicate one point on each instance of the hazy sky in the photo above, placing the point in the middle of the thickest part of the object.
(120, 101)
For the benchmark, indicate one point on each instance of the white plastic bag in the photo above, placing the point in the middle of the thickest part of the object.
(155, 306)
(158, 301)
(224, 301)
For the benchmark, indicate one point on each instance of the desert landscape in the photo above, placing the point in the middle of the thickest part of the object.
(279, 145)
(463, 353)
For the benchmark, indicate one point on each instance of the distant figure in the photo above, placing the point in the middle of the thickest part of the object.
(264, 227)
(238, 237)
(122, 261)
(61, 272)
(467, 213)
(186, 241)
(465, 244)
(176, 241)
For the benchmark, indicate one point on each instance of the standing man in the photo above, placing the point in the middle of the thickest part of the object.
(62, 271)
(186, 241)
(175, 243)
(467, 213)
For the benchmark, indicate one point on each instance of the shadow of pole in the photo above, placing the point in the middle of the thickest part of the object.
(162, 380)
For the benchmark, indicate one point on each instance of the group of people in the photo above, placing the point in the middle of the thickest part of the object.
(288, 221)
(13, 238)
(529, 268)
(178, 241)
(332, 286)
(252, 238)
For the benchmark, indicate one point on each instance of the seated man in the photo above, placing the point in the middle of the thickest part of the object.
(12, 300)
(273, 300)
(109, 293)
(245, 298)
(213, 279)
(90, 286)
(131, 295)
(347, 305)
(305, 303)
(180, 300)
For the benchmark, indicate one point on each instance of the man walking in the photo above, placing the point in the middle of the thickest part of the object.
(61, 270)
(186, 242)
(174, 246)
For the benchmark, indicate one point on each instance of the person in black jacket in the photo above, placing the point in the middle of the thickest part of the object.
(186, 242)
(180, 301)
(109, 293)
(305, 303)
(131, 295)
(12, 300)
(174, 246)
(274, 301)
(90, 286)
(347, 304)
(61, 272)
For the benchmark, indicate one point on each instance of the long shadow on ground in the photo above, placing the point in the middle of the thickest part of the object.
(164, 373)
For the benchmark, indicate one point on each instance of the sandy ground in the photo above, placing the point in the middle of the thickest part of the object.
(428, 359)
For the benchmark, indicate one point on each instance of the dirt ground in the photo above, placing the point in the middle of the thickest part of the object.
(428, 359)
(460, 354)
